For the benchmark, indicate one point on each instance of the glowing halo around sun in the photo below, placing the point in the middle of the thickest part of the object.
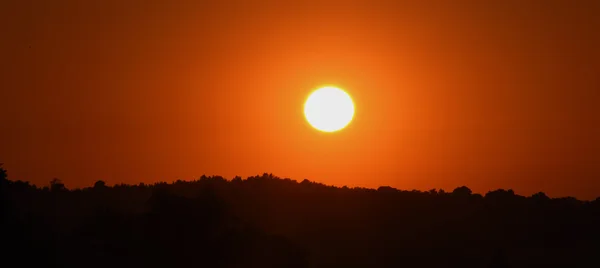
(329, 109)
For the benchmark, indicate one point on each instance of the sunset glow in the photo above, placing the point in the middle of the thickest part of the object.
(498, 94)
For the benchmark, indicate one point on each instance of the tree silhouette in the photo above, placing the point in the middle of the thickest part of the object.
(265, 221)
(56, 185)
(462, 191)
(99, 184)
(3, 173)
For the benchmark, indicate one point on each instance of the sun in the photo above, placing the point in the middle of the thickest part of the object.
(329, 109)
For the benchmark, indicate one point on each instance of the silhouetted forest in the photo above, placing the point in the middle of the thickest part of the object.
(265, 221)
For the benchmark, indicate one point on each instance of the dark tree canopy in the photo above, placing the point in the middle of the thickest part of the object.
(100, 184)
(266, 221)
(3, 173)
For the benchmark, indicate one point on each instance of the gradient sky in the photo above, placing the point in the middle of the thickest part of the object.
(488, 94)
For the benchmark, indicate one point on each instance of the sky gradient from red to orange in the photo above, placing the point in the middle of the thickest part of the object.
(488, 95)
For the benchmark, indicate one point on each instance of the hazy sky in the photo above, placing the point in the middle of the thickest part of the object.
(488, 94)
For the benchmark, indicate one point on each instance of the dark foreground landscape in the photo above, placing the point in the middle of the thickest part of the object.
(265, 221)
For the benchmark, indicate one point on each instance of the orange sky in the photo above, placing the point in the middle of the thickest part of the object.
(486, 95)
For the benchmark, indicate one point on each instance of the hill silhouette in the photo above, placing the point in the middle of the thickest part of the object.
(266, 221)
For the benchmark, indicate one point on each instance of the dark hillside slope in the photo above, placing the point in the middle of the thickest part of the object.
(265, 221)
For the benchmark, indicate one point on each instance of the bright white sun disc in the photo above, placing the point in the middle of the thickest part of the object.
(329, 109)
